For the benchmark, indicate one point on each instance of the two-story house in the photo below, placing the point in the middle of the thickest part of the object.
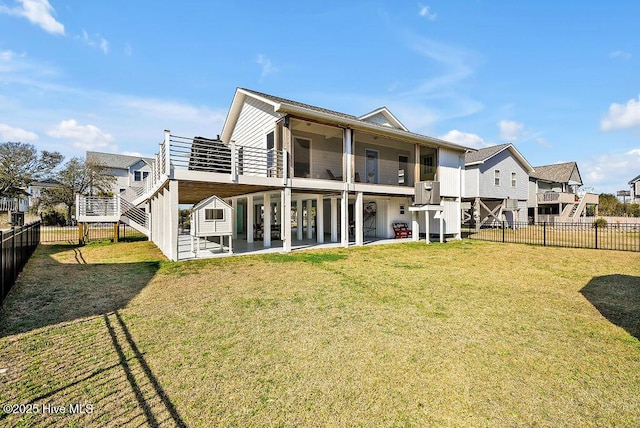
(296, 172)
(497, 185)
(129, 171)
(556, 193)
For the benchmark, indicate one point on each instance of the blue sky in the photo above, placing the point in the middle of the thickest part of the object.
(558, 79)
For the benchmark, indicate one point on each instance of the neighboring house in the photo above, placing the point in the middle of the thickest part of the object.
(36, 189)
(345, 177)
(556, 193)
(130, 171)
(635, 190)
(497, 185)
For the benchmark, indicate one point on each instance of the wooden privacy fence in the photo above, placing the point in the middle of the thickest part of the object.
(620, 237)
(17, 245)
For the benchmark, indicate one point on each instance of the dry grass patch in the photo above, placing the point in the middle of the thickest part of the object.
(462, 334)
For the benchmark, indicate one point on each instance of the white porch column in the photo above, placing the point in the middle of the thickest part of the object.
(234, 218)
(299, 219)
(309, 219)
(250, 220)
(334, 219)
(267, 220)
(344, 219)
(415, 226)
(426, 227)
(173, 220)
(358, 217)
(285, 227)
(320, 219)
(348, 149)
(441, 227)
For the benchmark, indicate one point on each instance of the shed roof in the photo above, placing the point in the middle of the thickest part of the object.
(558, 173)
(206, 201)
(114, 160)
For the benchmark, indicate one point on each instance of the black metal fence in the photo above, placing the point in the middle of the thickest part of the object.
(621, 237)
(94, 232)
(17, 245)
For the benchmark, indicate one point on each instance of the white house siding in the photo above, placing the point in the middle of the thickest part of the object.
(122, 179)
(138, 166)
(471, 182)
(380, 119)
(393, 216)
(504, 162)
(213, 227)
(450, 168)
(255, 119)
(532, 200)
(325, 154)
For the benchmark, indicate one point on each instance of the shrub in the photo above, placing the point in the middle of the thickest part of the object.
(600, 223)
(53, 218)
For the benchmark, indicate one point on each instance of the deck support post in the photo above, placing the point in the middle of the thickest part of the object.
(266, 239)
(250, 220)
(173, 219)
(359, 218)
(116, 232)
(415, 226)
(299, 219)
(309, 219)
(334, 219)
(344, 219)
(285, 228)
(320, 219)
(234, 218)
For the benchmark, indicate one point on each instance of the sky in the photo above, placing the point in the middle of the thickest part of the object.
(559, 80)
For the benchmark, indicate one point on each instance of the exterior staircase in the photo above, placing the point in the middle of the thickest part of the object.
(133, 216)
(113, 209)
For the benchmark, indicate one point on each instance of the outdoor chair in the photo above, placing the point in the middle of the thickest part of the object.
(401, 230)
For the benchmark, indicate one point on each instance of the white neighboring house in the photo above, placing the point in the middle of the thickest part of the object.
(130, 171)
(556, 193)
(496, 184)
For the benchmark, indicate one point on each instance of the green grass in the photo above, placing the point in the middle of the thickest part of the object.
(458, 334)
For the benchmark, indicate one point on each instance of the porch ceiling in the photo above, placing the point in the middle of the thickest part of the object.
(191, 192)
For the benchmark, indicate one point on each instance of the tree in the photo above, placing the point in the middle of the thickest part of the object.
(20, 164)
(609, 205)
(78, 177)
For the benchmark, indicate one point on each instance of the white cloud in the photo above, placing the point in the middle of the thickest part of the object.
(7, 55)
(38, 12)
(622, 115)
(95, 41)
(464, 139)
(510, 130)
(9, 133)
(425, 12)
(266, 66)
(87, 137)
(620, 54)
(611, 172)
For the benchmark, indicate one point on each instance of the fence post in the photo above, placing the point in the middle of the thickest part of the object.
(503, 232)
(596, 236)
(2, 264)
(13, 254)
(544, 234)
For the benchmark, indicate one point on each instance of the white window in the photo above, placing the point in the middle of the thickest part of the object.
(513, 180)
(496, 177)
(213, 214)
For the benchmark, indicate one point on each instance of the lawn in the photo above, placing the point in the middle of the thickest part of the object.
(459, 334)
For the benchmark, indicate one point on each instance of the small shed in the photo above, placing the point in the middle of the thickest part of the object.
(211, 217)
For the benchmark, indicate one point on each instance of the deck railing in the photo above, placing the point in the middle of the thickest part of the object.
(9, 204)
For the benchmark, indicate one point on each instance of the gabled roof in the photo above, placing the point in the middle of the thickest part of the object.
(284, 106)
(206, 201)
(113, 160)
(634, 180)
(386, 113)
(558, 173)
(480, 156)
